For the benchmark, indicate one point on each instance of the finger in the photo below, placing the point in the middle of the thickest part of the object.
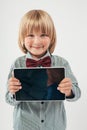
(14, 83)
(64, 89)
(63, 85)
(66, 80)
(13, 79)
(14, 89)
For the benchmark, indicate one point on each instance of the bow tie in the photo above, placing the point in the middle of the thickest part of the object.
(45, 62)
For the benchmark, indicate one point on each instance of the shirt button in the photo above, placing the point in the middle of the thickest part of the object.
(42, 102)
(42, 121)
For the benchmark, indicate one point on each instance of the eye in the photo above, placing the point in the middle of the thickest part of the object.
(30, 35)
(44, 35)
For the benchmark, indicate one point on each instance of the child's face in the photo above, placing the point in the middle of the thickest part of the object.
(37, 44)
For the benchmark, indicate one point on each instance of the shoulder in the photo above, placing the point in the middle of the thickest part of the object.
(21, 58)
(58, 60)
(20, 61)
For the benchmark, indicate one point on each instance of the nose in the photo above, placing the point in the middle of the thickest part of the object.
(37, 39)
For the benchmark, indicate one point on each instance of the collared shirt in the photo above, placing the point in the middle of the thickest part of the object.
(49, 115)
(28, 55)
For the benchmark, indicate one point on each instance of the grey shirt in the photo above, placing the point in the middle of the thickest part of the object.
(49, 115)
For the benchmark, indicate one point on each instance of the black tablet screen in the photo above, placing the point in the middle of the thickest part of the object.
(39, 84)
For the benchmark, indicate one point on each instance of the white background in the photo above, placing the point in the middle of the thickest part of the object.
(70, 18)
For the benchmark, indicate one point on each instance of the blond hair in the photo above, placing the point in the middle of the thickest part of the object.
(36, 20)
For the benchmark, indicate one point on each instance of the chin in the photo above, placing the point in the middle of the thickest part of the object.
(38, 55)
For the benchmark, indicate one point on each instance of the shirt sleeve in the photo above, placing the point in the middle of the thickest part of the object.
(75, 87)
(8, 96)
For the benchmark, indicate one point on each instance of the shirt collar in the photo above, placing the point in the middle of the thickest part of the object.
(28, 55)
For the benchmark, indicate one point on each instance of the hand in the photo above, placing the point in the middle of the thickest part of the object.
(65, 87)
(14, 85)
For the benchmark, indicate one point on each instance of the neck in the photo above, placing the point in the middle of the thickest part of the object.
(36, 57)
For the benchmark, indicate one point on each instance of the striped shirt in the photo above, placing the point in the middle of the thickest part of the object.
(49, 115)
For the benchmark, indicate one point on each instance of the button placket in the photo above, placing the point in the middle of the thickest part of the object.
(42, 115)
(42, 121)
(42, 102)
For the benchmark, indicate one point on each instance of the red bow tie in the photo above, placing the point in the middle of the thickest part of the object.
(45, 62)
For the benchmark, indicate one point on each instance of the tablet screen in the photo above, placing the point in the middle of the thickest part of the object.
(39, 83)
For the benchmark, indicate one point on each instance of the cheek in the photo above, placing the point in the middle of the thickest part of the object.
(27, 42)
(46, 43)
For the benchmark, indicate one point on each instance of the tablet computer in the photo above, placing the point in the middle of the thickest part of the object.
(39, 83)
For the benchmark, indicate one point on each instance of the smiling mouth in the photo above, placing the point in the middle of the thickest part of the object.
(37, 47)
